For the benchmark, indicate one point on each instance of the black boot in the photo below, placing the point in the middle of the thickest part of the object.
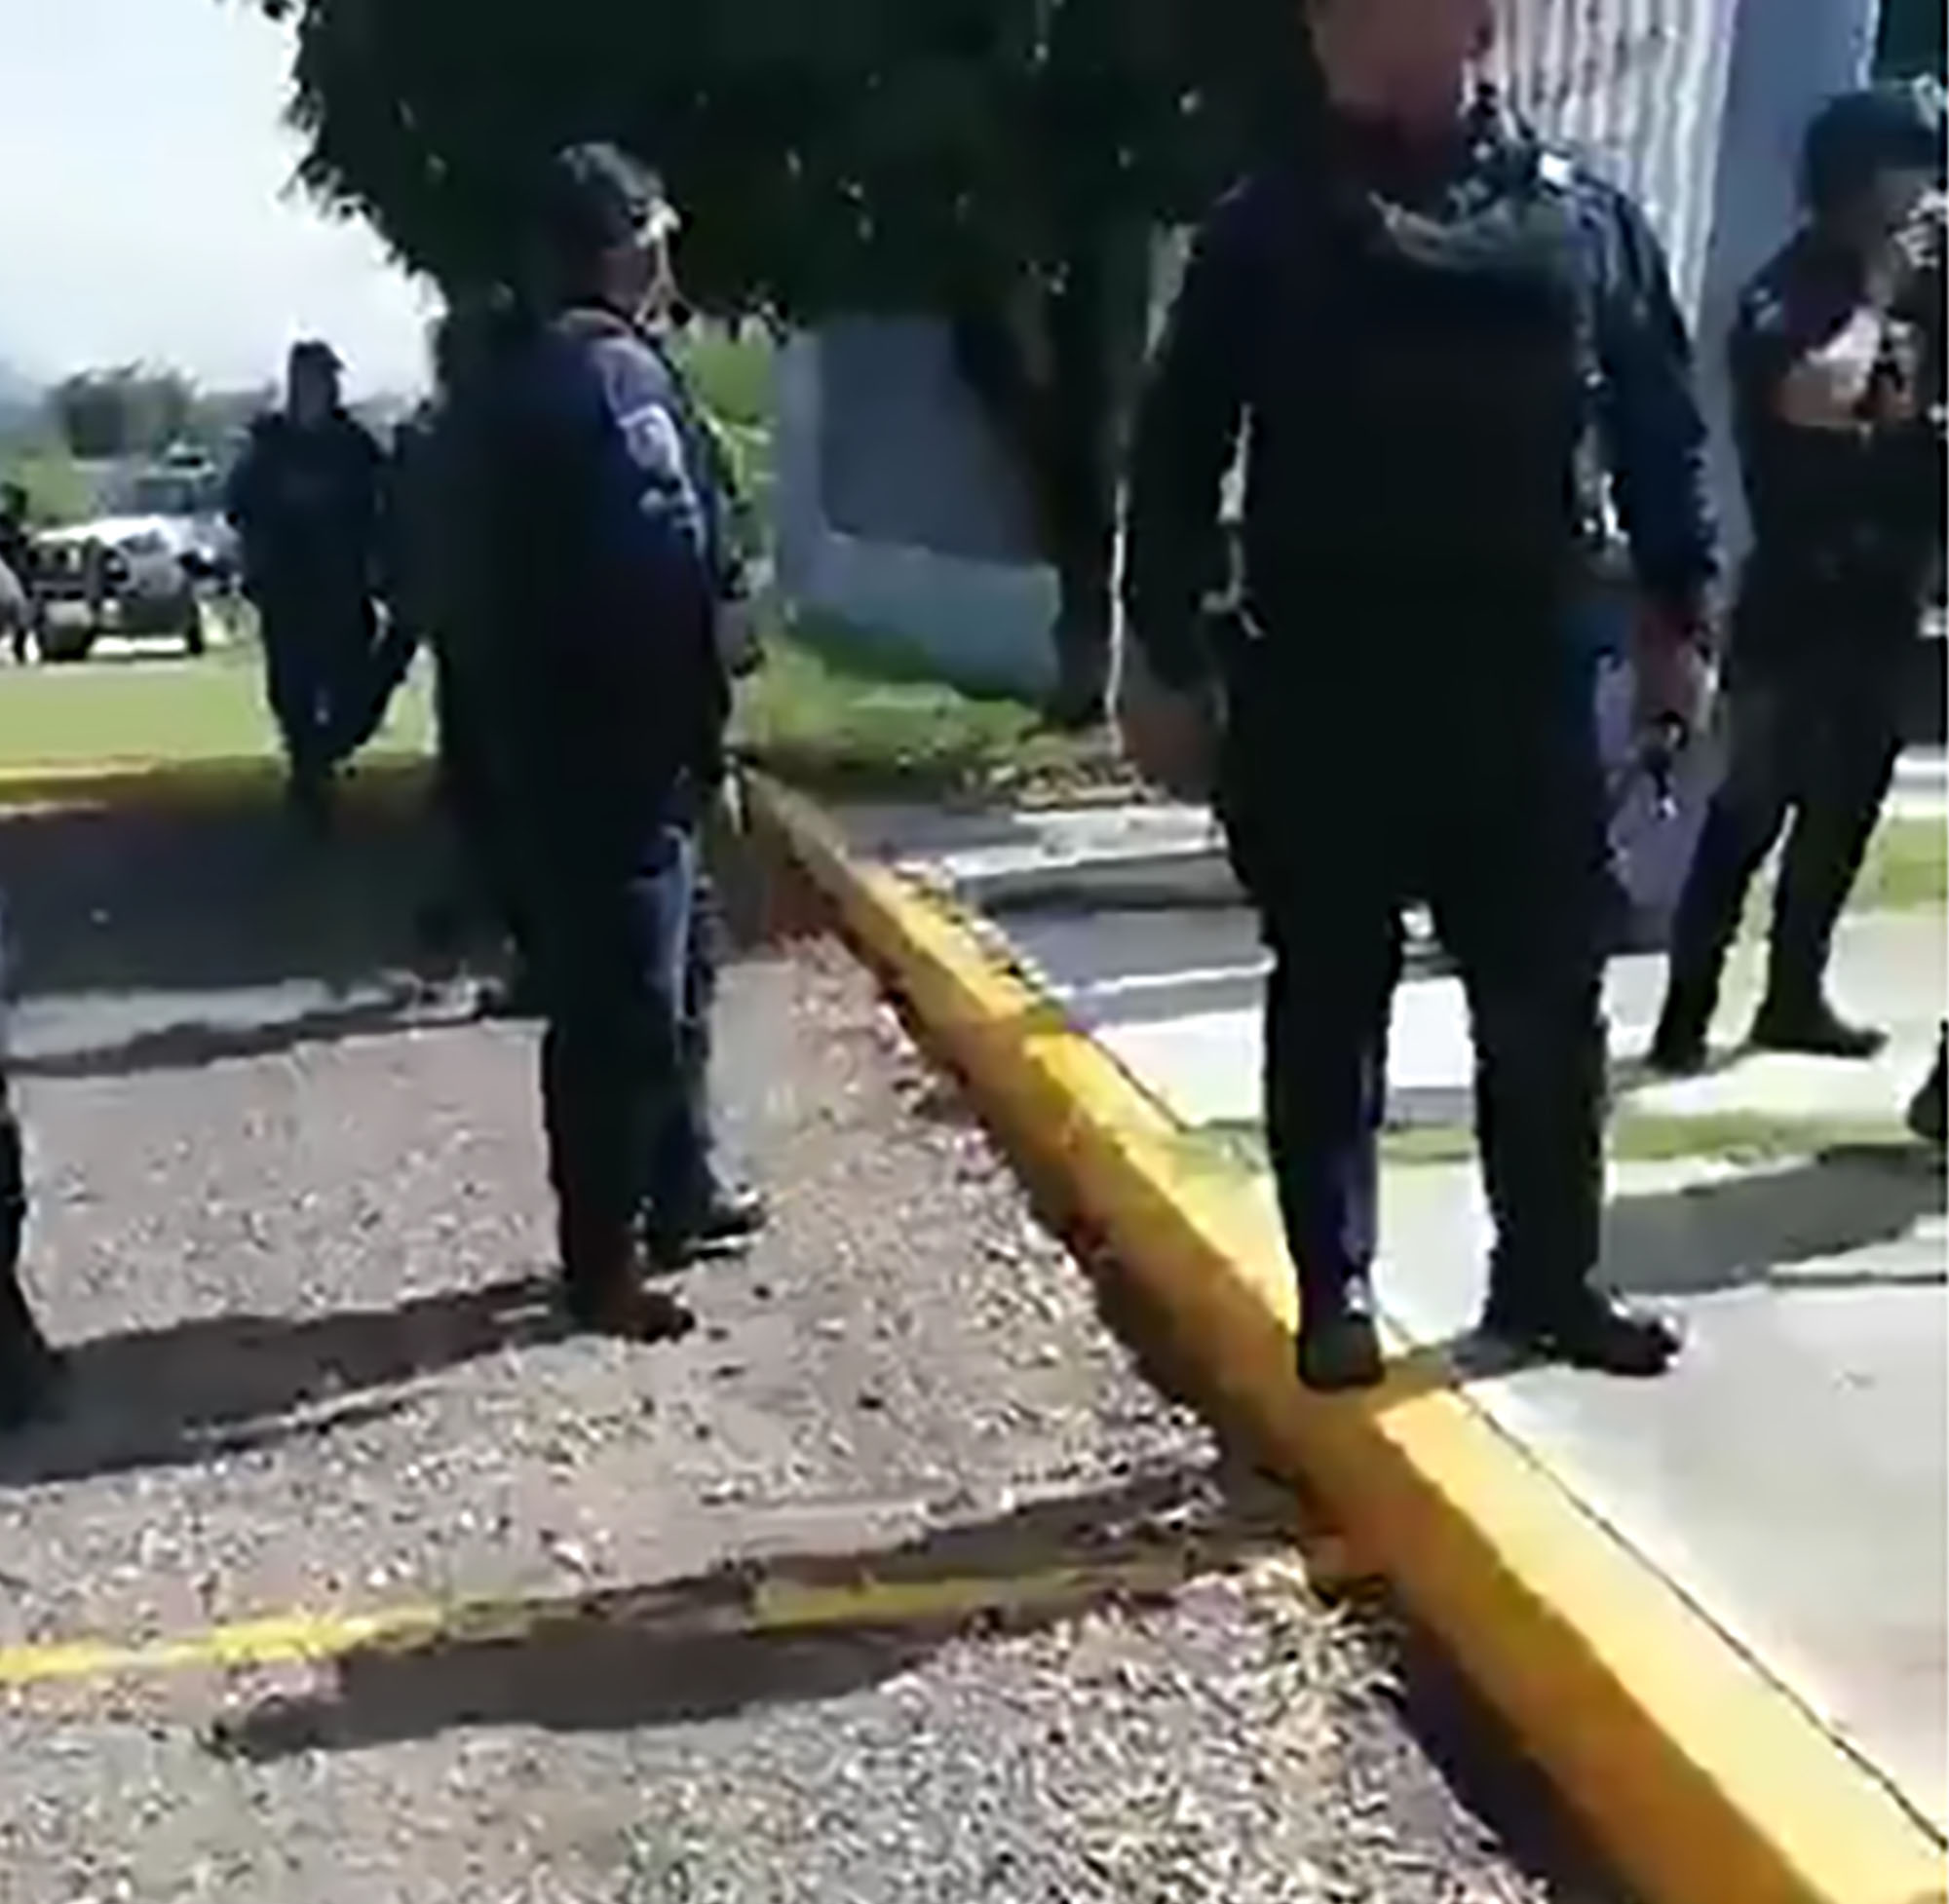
(1339, 1344)
(1680, 1046)
(1586, 1328)
(731, 1217)
(604, 1292)
(1928, 1109)
(1811, 1027)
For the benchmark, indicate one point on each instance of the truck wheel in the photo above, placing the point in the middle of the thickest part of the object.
(65, 644)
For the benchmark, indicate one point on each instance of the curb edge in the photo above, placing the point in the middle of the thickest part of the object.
(1701, 1777)
(178, 784)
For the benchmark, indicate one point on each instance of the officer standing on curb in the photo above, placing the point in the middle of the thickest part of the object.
(1836, 363)
(1427, 328)
(608, 707)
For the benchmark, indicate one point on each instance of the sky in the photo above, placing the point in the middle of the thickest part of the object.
(147, 213)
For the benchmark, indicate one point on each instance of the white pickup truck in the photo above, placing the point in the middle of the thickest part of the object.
(135, 575)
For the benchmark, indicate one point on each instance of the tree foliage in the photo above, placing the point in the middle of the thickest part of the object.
(123, 411)
(849, 152)
(1004, 162)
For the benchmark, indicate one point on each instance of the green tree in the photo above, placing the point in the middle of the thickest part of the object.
(129, 410)
(1004, 162)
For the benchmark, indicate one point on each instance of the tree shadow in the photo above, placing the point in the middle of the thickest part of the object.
(203, 896)
(1759, 1226)
(193, 1390)
(790, 1630)
(159, 937)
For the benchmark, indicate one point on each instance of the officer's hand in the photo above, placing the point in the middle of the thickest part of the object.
(1170, 736)
(1672, 675)
(727, 806)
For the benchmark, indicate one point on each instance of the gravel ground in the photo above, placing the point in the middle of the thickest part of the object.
(316, 1366)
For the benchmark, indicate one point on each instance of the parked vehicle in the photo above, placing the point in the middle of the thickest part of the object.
(135, 575)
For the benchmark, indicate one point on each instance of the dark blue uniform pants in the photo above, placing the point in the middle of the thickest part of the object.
(628, 959)
(1499, 824)
(318, 661)
(1816, 743)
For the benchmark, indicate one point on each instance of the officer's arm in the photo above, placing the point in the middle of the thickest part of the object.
(650, 524)
(239, 493)
(1653, 432)
(1186, 434)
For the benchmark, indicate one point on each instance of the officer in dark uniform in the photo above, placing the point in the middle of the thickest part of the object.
(30, 1372)
(17, 570)
(1837, 360)
(306, 499)
(1428, 329)
(437, 578)
(608, 701)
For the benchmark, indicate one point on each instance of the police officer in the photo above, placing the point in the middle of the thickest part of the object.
(306, 499)
(1836, 366)
(30, 1372)
(16, 570)
(1426, 327)
(437, 577)
(608, 706)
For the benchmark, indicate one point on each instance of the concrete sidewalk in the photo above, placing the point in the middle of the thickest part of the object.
(1792, 1477)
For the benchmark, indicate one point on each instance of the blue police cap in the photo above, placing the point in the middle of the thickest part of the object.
(596, 197)
(1893, 127)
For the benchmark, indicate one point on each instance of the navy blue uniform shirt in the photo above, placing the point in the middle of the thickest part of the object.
(1857, 512)
(1646, 419)
(307, 504)
(607, 557)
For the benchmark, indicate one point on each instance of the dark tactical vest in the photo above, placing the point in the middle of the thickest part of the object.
(1433, 398)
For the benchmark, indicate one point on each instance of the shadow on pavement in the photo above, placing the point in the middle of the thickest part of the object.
(224, 1383)
(1758, 1226)
(190, 1044)
(144, 940)
(211, 898)
(793, 1630)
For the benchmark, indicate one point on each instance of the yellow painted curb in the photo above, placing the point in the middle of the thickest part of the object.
(1703, 1779)
(778, 1604)
(178, 784)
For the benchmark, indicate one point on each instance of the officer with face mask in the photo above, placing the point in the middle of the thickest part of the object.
(1437, 338)
(606, 695)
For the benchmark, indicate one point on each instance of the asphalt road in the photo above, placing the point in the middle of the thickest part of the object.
(896, 1581)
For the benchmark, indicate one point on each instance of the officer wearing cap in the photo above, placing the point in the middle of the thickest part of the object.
(306, 499)
(1836, 357)
(607, 711)
(1434, 336)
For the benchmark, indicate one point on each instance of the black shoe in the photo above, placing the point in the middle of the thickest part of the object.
(604, 1293)
(627, 1309)
(1340, 1342)
(1928, 1109)
(1678, 1050)
(1815, 1030)
(1680, 1046)
(734, 1216)
(1589, 1329)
